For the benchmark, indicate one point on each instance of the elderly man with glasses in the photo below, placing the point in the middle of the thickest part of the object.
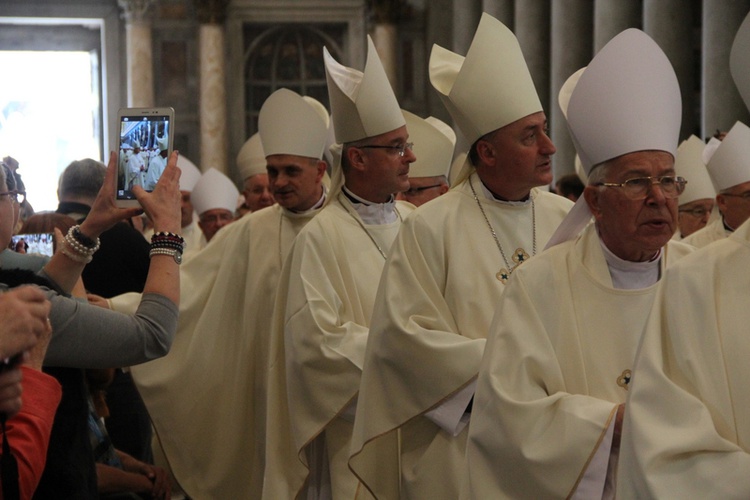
(553, 382)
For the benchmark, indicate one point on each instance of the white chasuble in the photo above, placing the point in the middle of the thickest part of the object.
(207, 397)
(687, 420)
(322, 317)
(432, 313)
(558, 360)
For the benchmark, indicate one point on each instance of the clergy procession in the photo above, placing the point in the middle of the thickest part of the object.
(402, 317)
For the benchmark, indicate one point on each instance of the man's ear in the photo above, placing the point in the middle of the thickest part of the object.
(592, 195)
(486, 152)
(356, 158)
(321, 166)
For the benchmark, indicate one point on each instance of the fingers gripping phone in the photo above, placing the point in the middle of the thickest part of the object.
(145, 140)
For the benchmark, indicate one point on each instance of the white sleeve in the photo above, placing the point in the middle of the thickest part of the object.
(451, 415)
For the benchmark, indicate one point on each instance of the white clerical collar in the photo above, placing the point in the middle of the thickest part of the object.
(315, 207)
(373, 213)
(629, 275)
(488, 194)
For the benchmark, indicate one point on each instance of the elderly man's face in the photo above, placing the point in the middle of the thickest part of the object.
(257, 192)
(734, 204)
(214, 219)
(634, 230)
(694, 215)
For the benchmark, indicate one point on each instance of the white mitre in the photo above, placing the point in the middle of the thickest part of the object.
(489, 88)
(730, 164)
(162, 142)
(189, 174)
(689, 164)
(362, 103)
(626, 100)
(288, 124)
(214, 190)
(739, 60)
(251, 160)
(433, 142)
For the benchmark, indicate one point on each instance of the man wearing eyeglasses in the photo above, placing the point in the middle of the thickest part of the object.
(214, 198)
(729, 168)
(327, 288)
(448, 267)
(554, 378)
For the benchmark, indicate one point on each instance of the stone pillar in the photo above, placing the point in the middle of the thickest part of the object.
(613, 16)
(502, 10)
(721, 104)
(385, 36)
(532, 22)
(670, 23)
(466, 15)
(572, 48)
(212, 97)
(138, 50)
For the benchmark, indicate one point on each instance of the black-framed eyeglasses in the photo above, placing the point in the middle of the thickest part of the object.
(416, 190)
(696, 212)
(17, 196)
(745, 196)
(638, 188)
(401, 150)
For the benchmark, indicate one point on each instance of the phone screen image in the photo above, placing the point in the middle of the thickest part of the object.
(37, 243)
(145, 141)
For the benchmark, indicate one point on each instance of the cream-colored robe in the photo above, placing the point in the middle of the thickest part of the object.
(207, 396)
(324, 304)
(558, 357)
(687, 420)
(713, 231)
(432, 313)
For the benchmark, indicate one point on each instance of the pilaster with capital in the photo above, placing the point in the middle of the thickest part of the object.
(213, 95)
(139, 52)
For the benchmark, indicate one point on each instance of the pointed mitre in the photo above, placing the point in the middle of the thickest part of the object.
(362, 103)
(433, 142)
(189, 173)
(626, 100)
(288, 124)
(214, 190)
(730, 164)
(739, 60)
(689, 164)
(489, 88)
(251, 160)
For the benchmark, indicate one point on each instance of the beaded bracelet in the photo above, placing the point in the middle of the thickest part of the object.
(78, 247)
(176, 254)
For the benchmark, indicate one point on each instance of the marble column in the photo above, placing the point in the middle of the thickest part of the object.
(214, 143)
(502, 10)
(670, 23)
(613, 16)
(721, 104)
(572, 48)
(466, 15)
(532, 28)
(139, 54)
(385, 37)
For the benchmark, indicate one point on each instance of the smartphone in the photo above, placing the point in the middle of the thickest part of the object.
(145, 140)
(36, 243)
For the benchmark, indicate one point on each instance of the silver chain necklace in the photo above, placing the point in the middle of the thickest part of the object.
(359, 221)
(520, 256)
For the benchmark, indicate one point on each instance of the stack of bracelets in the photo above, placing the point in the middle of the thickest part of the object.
(78, 247)
(163, 243)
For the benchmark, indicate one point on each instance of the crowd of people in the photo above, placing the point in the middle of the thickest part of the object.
(378, 315)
